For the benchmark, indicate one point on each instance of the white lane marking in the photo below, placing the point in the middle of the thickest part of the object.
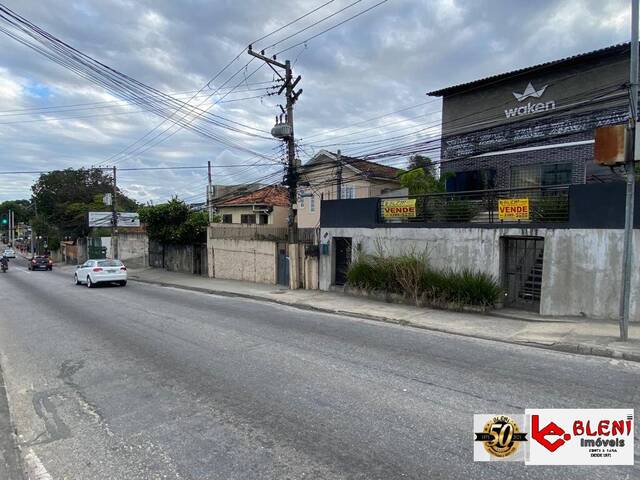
(35, 469)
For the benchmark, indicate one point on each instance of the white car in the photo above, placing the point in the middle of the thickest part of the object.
(9, 253)
(93, 272)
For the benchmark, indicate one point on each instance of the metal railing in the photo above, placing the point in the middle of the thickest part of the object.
(527, 205)
(260, 232)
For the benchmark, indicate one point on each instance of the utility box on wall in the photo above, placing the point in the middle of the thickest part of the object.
(609, 148)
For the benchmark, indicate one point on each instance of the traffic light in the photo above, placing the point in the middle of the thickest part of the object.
(5, 219)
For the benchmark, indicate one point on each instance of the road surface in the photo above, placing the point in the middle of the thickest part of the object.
(153, 382)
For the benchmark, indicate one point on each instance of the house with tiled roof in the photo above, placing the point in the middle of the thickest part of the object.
(360, 179)
(265, 206)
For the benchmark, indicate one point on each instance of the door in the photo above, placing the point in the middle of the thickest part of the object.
(522, 273)
(83, 271)
(343, 259)
(283, 265)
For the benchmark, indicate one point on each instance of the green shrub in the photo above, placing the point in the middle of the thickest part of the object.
(457, 210)
(411, 276)
(550, 209)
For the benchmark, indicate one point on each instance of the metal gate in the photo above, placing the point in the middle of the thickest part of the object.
(283, 265)
(522, 277)
(343, 259)
(95, 250)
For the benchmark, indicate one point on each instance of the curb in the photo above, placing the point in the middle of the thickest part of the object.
(565, 347)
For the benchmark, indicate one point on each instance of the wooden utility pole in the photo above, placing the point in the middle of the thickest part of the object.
(287, 135)
(114, 219)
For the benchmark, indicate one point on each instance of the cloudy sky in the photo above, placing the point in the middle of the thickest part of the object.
(380, 62)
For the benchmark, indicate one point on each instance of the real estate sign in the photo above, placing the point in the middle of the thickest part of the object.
(512, 209)
(399, 208)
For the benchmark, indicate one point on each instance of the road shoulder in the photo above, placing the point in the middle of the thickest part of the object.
(10, 462)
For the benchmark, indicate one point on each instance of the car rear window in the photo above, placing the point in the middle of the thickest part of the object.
(109, 263)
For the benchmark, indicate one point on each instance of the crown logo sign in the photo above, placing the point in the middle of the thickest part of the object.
(529, 92)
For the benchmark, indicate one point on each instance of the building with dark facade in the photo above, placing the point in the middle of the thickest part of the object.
(534, 126)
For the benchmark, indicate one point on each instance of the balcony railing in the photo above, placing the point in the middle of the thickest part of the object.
(509, 206)
(260, 232)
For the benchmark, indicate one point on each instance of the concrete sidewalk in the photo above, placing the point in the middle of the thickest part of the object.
(576, 335)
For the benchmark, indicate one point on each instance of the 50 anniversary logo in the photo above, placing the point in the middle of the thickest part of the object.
(557, 437)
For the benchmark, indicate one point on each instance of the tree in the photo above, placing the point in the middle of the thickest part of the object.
(21, 209)
(63, 198)
(175, 222)
(422, 178)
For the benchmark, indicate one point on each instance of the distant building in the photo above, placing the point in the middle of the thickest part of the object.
(265, 206)
(533, 126)
(360, 179)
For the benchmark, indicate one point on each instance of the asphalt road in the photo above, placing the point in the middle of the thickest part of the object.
(153, 382)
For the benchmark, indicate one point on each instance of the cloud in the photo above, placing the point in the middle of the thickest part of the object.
(380, 62)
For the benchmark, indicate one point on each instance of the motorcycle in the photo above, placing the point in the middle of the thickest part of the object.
(4, 268)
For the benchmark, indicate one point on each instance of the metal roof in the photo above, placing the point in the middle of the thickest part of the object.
(618, 48)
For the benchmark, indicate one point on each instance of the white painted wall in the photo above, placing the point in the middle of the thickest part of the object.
(581, 274)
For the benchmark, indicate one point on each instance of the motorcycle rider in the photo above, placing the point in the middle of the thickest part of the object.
(4, 263)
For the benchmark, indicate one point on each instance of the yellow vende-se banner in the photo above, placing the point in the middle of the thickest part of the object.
(399, 208)
(513, 209)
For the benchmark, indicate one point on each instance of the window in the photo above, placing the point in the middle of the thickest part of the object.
(227, 218)
(264, 218)
(109, 263)
(484, 179)
(347, 192)
(312, 203)
(248, 218)
(541, 175)
(301, 199)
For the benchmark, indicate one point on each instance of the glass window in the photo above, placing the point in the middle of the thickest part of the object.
(248, 218)
(227, 218)
(109, 263)
(347, 192)
(312, 203)
(484, 179)
(556, 174)
(540, 175)
(526, 176)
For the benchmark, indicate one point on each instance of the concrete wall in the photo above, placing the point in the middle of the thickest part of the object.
(582, 269)
(133, 249)
(178, 258)
(248, 260)
(581, 273)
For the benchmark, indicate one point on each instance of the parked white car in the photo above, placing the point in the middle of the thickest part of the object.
(93, 272)
(9, 253)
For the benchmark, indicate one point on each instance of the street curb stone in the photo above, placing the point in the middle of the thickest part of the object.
(566, 347)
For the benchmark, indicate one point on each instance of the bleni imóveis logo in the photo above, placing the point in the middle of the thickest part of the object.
(498, 437)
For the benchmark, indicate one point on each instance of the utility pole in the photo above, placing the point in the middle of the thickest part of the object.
(627, 254)
(285, 132)
(10, 236)
(339, 176)
(33, 230)
(209, 193)
(114, 219)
